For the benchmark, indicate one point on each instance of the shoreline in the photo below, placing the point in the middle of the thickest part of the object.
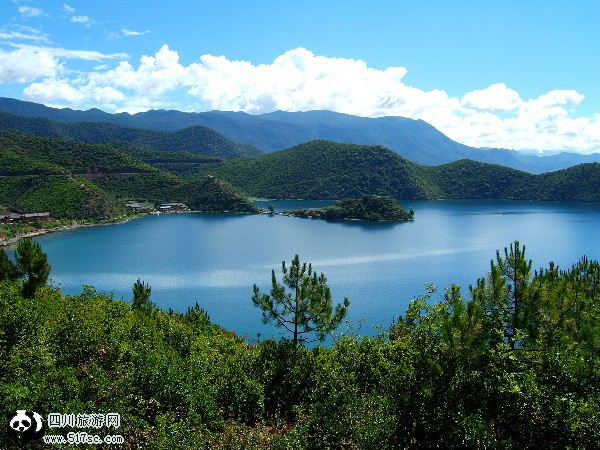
(75, 226)
(44, 231)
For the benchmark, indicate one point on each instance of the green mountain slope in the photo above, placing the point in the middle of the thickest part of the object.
(583, 179)
(211, 194)
(23, 154)
(179, 163)
(196, 139)
(202, 194)
(41, 174)
(62, 196)
(328, 170)
(471, 179)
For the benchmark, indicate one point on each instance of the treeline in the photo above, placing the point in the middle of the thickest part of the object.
(512, 364)
(329, 170)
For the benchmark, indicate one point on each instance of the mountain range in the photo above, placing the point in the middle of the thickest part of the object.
(416, 140)
(195, 139)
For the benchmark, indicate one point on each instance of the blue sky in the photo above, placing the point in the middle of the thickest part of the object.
(518, 74)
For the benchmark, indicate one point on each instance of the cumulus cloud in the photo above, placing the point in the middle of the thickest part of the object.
(68, 8)
(299, 80)
(30, 11)
(27, 64)
(497, 97)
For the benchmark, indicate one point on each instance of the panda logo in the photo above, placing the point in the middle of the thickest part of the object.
(25, 427)
(21, 422)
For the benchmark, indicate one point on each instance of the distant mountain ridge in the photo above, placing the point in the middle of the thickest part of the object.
(413, 139)
(195, 139)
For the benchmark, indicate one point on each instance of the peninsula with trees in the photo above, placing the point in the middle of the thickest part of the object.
(368, 208)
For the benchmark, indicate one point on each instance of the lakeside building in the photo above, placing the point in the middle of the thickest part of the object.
(173, 207)
(28, 217)
(140, 206)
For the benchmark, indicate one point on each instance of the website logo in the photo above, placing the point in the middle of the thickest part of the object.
(25, 426)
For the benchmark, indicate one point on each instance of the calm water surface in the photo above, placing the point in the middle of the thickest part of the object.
(215, 259)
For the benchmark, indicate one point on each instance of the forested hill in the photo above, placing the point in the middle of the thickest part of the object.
(196, 139)
(328, 170)
(22, 154)
(470, 179)
(83, 181)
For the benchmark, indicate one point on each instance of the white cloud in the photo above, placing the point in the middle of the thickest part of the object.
(11, 35)
(84, 20)
(59, 88)
(68, 8)
(497, 97)
(30, 11)
(126, 32)
(87, 55)
(27, 64)
(298, 80)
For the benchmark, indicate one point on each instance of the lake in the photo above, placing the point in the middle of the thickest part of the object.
(215, 259)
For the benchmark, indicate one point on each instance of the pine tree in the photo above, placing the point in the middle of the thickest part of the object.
(505, 294)
(306, 308)
(7, 268)
(141, 296)
(32, 263)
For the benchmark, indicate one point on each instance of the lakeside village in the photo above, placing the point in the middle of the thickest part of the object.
(16, 225)
(163, 208)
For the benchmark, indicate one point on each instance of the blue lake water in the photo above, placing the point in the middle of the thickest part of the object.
(215, 259)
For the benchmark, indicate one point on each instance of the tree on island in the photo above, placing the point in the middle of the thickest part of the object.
(32, 263)
(370, 208)
(306, 308)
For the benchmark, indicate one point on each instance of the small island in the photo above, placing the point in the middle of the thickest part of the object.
(371, 208)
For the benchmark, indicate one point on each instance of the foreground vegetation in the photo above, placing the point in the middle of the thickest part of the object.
(514, 365)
